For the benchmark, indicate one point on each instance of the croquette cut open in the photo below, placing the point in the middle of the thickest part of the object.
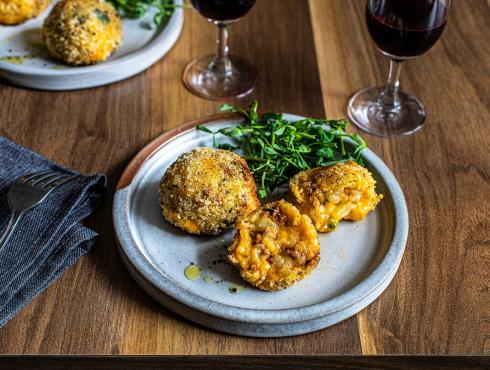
(205, 190)
(14, 12)
(82, 32)
(330, 194)
(275, 246)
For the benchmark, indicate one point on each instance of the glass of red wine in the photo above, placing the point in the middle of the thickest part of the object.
(223, 75)
(401, 30)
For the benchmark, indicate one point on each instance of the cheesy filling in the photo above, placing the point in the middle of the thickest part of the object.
(275, 246)
(330, 194)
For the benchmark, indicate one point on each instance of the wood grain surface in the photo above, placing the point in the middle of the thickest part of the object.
(325, 362)
(439, 301)
(311, 56)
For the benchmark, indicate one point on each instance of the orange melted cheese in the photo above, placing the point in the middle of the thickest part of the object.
(275, 246)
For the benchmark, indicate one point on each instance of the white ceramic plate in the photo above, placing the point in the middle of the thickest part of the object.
(358, 260)
(143, 45)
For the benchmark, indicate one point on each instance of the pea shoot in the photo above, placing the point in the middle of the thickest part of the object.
(276, 149)
(137, 8)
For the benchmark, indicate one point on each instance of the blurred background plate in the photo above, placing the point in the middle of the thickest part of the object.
(358, 260)
(25, 61)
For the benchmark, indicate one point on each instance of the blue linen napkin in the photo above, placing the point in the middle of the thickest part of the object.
(49, 238)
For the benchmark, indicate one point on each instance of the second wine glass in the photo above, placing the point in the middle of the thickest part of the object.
(223, 75)
(401, 29)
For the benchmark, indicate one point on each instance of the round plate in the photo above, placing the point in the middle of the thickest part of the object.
(358, 260)
(25, 61)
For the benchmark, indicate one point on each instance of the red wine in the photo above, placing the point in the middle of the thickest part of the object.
(223, 10)
(406, 28)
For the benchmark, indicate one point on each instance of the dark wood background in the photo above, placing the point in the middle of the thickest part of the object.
(324, 362)
(311, 56)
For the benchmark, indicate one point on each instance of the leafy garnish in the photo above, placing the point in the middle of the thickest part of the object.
(137, 8)
(276, 149)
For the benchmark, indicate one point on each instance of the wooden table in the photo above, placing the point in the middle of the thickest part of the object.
(311, 57)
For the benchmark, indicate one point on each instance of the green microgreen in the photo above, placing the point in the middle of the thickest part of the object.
(276, 148)
(137, 8)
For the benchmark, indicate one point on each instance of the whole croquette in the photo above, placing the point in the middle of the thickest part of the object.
(205, 190)
(275, 246)
(18, 11)
(330, 194)
(82, 32)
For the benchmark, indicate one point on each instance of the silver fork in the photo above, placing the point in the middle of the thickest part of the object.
(28, 192)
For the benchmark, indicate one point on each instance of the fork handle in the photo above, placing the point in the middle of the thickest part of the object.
(14, 219)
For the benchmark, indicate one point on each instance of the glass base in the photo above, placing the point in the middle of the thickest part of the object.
(203, 80)
(366, 112)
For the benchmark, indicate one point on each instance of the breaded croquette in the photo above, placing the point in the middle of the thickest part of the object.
(275, 246)
(82, 32)
(205, 190)
(18, 11)
(330, 194)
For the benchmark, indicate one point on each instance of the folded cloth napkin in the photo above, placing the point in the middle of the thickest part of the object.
(49, 238)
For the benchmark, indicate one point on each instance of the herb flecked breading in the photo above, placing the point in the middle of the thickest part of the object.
(205, 190)
(82, 32)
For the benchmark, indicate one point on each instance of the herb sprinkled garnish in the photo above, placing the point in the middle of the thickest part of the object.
(102, 15)
(137, 8)
(81, 19)
(276, 149)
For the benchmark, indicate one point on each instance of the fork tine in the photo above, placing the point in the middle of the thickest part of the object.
(33, 176)
(54, 179)
(44, 178)
(54, 183)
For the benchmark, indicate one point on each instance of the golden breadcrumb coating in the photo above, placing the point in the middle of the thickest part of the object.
(205, 190)
(275, 246)
(82, 32)
(18, 11)
(330, 194)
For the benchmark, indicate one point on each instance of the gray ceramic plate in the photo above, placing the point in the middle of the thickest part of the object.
(358, 260)
(25, 61)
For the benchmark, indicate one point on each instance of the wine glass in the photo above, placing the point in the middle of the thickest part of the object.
(401, 30)
(223, 75)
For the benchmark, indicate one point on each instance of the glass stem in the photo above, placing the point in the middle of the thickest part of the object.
(221, 64)
(389, 97)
